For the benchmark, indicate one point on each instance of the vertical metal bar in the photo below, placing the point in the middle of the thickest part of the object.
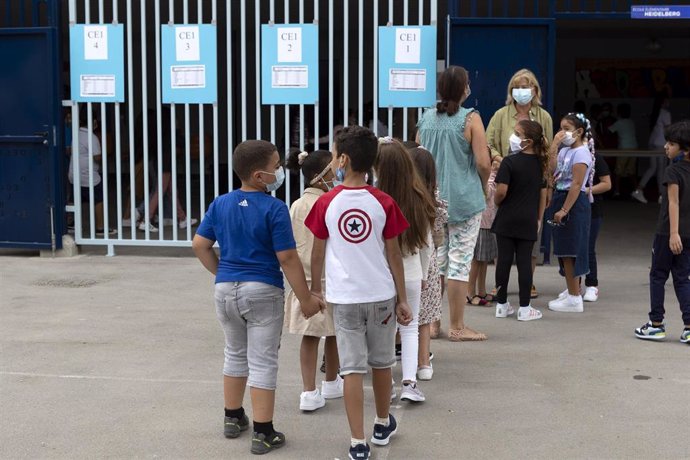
(288, 142)
(173, 148)
(229, 52)
(104, 147)
(406, 7)
(145, 121)
(130, 114)
(187, 152)
(330, 74)
(301, 110)
(257, 65)
(316, 106)
(420, 21)
(243, 66)
(202, 140)
(214, 21)
(118, 149)
(272, 20)
(360, 69)
(375, 99)
(89, 137)
(346, 63)
(390, 109)
(159, 117)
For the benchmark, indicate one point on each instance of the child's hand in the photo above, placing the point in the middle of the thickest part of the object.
(403, 312)
(313, 306)
(675, 244)
(558, 138)
(559, 216)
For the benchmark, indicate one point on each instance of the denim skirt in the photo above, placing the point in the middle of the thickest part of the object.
(572, 238)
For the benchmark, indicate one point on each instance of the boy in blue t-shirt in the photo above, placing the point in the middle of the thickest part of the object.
(254, 232)
(671, 253)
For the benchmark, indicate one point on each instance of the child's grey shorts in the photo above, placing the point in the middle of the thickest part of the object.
(366, 335)
(251, 315)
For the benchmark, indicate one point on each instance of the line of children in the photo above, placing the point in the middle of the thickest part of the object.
(398, 178)
(521, 198)
(671, 250)
(316, 169)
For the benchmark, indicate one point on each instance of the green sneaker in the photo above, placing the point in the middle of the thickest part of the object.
(261, 444)
(234, 426)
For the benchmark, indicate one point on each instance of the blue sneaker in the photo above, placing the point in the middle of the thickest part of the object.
(685, 336)
(360, 452)
(382, 434)
(650, 332)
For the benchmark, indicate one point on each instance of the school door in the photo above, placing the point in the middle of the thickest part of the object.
(31, 210)
(493, 49)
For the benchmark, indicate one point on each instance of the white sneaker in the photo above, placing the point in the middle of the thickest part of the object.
(411, 392)
(504, 310)
(528, 313)
(571, 304)
(425, 372)
(142, 226)
(183, 223)
(591, 294)
(639, 196)
(562, 295)
(333, 389)
(311, 400)
(393, 393)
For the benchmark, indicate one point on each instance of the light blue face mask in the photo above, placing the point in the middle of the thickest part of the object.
(280, 178)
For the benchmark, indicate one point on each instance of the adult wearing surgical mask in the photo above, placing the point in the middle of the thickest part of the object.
(523, 102)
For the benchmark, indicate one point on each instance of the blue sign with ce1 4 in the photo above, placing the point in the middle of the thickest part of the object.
(407, 66)
(660, 12)
(97, 62)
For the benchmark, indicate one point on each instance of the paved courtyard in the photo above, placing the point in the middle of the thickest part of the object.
(121, 357)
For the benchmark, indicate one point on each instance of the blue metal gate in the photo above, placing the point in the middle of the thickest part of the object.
(31, 178)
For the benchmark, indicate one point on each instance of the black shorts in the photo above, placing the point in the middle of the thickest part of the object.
(97, 194)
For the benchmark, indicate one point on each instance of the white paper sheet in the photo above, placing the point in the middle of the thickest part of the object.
(95, 43)
(97, 85)
(407, 80)
(187, 76)
(289, 44)
(408, 46)
(187, 43)
(290, 76)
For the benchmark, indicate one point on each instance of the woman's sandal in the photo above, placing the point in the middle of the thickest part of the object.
(490, 298)
(480, 301)
(465, 335)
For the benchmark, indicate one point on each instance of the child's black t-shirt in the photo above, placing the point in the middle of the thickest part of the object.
(518, 213)
(601, 168)
(677, 173)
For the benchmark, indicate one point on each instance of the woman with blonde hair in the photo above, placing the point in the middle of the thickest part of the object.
(523, 102)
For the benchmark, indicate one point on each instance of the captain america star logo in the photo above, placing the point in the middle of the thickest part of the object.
(354, 226)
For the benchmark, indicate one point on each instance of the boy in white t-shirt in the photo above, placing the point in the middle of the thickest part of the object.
(356, 228)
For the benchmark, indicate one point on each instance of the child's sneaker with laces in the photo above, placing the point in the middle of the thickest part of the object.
(382, 434)
(234, 426)
(504, 310)
(360, 452)
(685, 336)
(528, 313)
(650, 332)
(311, 400)
(410, 392)
(591, 294)
(262, 444)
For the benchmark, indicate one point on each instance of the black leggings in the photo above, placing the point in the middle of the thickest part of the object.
(508, 248)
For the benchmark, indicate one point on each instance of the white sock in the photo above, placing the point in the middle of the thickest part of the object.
(313, 392)
(575, 298)
(354, 442)
(382, 421)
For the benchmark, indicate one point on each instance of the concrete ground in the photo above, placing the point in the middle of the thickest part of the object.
(121, 357)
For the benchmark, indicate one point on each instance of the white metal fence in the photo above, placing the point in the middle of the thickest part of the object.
(201, 161)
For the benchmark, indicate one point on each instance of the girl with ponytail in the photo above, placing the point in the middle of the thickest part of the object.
(521, 198)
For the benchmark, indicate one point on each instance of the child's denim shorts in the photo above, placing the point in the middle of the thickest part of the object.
(251, 315)
(365, 334)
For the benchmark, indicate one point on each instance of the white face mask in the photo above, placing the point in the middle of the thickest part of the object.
(522, 96)
(515, 143)
(568, 139)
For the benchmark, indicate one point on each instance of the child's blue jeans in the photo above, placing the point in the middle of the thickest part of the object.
(663, 263)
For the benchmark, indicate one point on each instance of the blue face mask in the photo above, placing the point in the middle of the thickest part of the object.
(340, 175)
(280, 178)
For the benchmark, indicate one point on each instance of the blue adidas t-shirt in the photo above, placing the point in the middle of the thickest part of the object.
(250, 228)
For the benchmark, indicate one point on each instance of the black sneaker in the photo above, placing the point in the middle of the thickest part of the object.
(262, 444)
(360, 452)
(382, 434)
(234, 426)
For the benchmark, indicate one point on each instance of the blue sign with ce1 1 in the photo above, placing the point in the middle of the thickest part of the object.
(97, 62)
(189, 64)
(289, 64)
(660, 12)
(407, 66)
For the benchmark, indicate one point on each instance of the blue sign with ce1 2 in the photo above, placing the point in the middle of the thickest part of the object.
(660, 12)
(407, 66)
(289, 64)
(189, 64)
(97, 62)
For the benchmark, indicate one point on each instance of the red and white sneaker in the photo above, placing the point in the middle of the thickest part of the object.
(528, 313)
